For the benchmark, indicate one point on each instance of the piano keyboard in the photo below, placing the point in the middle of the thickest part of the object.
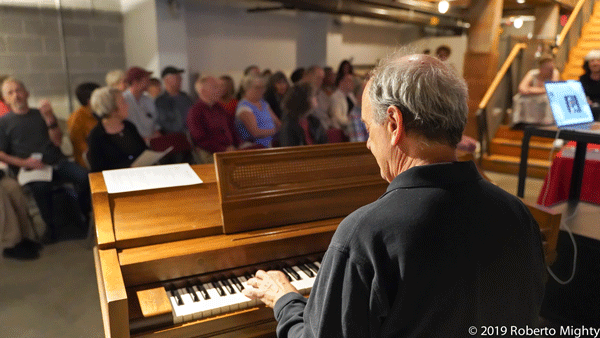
(198, 300)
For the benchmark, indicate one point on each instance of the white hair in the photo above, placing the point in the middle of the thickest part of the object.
(114, 77)
(430, 95)
(249, 79)
(104, 101)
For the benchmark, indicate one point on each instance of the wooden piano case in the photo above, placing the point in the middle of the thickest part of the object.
(254, 208)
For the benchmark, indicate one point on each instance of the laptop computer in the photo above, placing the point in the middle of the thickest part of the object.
(569, 105)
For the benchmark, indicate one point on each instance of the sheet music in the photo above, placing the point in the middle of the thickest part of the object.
(146, 178)
(149, 157)
(34, 175)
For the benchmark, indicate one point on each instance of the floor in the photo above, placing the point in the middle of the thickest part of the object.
(57, 295)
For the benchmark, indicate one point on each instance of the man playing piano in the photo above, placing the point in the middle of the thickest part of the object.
(443, 253)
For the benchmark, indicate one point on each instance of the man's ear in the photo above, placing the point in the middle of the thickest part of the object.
(394, 125)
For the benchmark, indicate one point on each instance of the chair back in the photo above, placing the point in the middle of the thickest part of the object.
(548, 220)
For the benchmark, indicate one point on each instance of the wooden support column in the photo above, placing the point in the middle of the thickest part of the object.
(481, 58)
(546, 21)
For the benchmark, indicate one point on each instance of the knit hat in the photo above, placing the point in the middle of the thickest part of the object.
(593, 55)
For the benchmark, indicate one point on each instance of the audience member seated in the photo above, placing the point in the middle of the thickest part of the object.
(297, 75)
(531, 105)
(315, 75)
(227, 91)
(328, 86)
(17, 237)
(116, 79)
(250, 70)
(277, 86)
(344, 68)
(357, 131)
(25, 132)
(173, 105)
(267, 73)
(342, 101)
(81, 122)
(590, 81)
(298, 126)
(142, 111)
(211, 127)
(154, 88)
(3, 107)
(114, 143)
(255, 121)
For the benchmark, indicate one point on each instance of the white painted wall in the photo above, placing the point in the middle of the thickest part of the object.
(141, 36)
(172, 39)
(366, 41)
(225, 40)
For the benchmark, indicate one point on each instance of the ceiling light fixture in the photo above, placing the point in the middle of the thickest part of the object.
(443, 6)
(518, 23)
(520, 1)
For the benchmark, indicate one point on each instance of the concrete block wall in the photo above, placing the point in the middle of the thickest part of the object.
(31, 50)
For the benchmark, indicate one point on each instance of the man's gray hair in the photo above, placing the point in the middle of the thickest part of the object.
(104, 101)
(430, 95)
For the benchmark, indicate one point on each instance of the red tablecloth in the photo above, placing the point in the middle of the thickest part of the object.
(558, 182)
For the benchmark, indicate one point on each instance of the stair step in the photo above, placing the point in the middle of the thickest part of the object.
(510, 165)
(504, 132)
(537, 150)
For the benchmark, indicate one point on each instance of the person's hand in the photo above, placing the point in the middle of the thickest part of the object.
(46, 110)
(32, 163)
(268, 287)
(230, 148)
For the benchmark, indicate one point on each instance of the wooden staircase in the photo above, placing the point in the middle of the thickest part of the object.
(505, 148)
(505, 153)
(589, 39)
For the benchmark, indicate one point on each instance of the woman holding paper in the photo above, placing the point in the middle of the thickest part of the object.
(114, 143)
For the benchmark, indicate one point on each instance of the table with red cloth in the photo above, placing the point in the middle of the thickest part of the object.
(558, 181)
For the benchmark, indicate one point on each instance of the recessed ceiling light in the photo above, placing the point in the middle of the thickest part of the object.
(443, 6)
(518, 23)
(520, 1)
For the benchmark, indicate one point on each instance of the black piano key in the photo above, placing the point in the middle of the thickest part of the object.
(306, 270)
(312, 267)
(237, 283)
(228, 286)
(248, 276)
(293, 273)
(202, 290)
(192, 293)
(286, 273)
(217, 287)
(175, 294)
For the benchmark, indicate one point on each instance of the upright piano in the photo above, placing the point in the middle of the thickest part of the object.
(172, 262)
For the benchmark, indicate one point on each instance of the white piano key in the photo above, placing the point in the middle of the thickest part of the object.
(177, 309)
(304, 285)
(188, 307)
(238, 297)
(252, 302)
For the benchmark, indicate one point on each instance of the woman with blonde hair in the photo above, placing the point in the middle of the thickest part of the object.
(255, 121)
(115, 142)
(531, 105)
(116, 79)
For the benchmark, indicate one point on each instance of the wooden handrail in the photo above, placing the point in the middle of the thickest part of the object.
(496, 82)
(572, 17)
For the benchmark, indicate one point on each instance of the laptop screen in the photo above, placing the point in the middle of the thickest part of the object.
(568, 103)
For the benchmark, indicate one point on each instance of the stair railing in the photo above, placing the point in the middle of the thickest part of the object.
(564, 41)
(563, 34)
(481, 115)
